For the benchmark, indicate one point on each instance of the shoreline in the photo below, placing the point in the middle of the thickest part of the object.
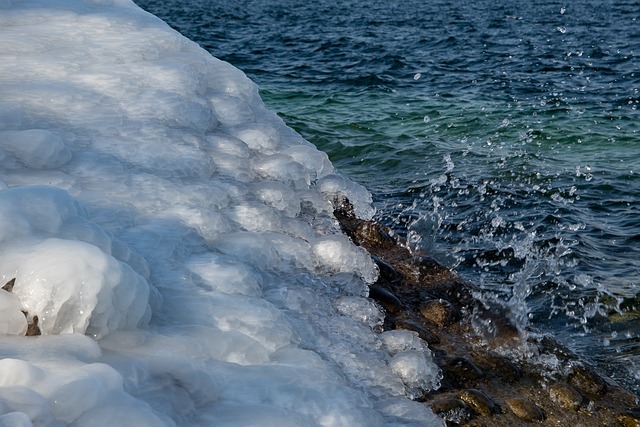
(490, 376)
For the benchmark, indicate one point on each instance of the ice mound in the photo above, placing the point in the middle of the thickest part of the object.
(175, 241)
(70, 282)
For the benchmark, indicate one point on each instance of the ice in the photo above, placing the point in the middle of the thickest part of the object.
(338, 255)
(36, 148)
(416, 370)
(361, 309)
(338, 188)
(175, 242)
(412, 361)
(13, 322)
(316, 162)
(401, 340)
(225, 275)
(75, 287)
(406, 410)
(279, 196)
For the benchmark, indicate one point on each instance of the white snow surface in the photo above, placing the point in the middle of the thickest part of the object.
(176, 241)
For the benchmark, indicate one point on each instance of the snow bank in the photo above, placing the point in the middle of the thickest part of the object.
(174, 242)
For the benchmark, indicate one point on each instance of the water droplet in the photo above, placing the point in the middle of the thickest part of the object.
(426, 119)
(417, 76)
(449, 163)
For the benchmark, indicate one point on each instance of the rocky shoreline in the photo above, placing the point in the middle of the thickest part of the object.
(492, 376)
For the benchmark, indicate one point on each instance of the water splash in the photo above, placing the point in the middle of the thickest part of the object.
(523, 259)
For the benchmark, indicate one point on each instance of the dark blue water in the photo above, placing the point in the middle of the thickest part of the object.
(502, 137)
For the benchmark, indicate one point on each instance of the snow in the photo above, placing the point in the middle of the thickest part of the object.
(175, 241)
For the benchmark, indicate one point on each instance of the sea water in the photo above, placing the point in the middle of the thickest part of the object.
(174, 242)
(503, 138)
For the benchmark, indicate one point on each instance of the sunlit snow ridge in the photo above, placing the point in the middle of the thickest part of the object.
(176, 243)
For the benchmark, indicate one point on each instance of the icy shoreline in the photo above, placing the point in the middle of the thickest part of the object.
(176, 242)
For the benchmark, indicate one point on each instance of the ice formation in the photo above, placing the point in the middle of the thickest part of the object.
(175, 241)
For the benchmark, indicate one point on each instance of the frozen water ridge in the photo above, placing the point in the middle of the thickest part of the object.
(176, 243)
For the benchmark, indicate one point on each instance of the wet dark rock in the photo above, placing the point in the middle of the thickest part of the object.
(387, 299)
(566, 396)
(388, 274)
(497, 366)
(440, 312)
(526, 409)
(492, 321)
(427, 263)
(479, 402)
(549, 345)
(423, 332)
(462, 372)
(586, 380)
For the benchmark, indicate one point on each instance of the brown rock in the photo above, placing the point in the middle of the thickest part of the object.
(497, 366)
(526, 410)
(479, 402)
(461, 372)
(587, 381)
(32, 328)
(629, 419)
(440, 312)
(566, 396)
(375, 234)
(32, 325)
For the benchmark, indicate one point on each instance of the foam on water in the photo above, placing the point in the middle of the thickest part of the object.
(175, 242)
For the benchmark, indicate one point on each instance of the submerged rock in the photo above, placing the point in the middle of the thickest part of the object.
(526, 410)
(480, 402)
(566, 396)
(492, 374)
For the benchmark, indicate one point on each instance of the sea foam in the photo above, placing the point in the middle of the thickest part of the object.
(174, 242)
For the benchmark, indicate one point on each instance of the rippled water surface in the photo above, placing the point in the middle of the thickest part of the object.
(503, 137)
